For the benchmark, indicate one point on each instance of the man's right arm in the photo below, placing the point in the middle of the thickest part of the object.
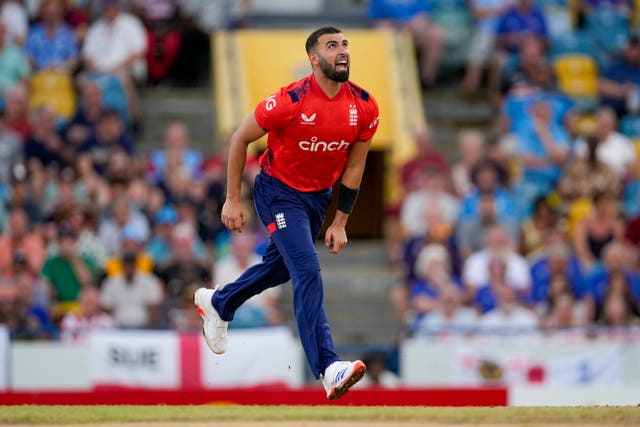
(233, 214)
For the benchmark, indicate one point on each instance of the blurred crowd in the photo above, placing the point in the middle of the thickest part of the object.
(93, 232)
(534, 226)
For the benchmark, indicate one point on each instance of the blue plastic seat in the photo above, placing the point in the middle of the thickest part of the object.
(630, 126)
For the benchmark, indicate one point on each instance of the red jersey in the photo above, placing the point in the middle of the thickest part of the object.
(310, 134)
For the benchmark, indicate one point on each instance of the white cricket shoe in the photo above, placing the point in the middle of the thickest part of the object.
(340, 376)
(214, 328)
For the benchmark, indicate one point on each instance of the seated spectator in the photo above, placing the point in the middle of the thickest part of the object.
(84, 219)
(116, 44)
(594, 232)
(14, 66)
(122, 214)
(488, 176)
(176, 154)
(163, 35)
(614, 277)
(26, 192)
(110, 137)
(67, 272)
(132, 241)
(555, 272)
(472, 231)
(51, 43)
(530, 64)
(508, 317)
(449, 316)
(564, 312)
(471, 146)
(485, 14)
(132, 297)
(542, 151)
(476, 271)
(45, 143)
(261, 309)
(617, 313)
(427, 157)
(433, 273)
(413, 16)
(614, 149)
(20, 239)
(536, 229)
(619, 83)
(10, 155)
(586, 176)
(159, 245)
(14, 17)
(17, 111)
(82, 127)
(76, 327)
(429, 194)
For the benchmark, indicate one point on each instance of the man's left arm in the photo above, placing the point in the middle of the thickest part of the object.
(336, 235)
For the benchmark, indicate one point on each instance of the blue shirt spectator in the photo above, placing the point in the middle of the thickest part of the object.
(598, 282)
(13, 63)
(621, 78)
(542, 274)
(51, 49)
(521, 20)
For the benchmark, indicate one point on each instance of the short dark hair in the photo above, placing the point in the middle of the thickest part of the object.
(312, 40)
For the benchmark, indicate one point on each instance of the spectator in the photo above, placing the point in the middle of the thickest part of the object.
(564, 312)
(10, 155)
(260, 310)
(449, 316)
(536, 229)
(132, 240)
(176, 154)
(159, 246)
(433, 274)
(530, 64)
(14, 66)
(17, 111)
(413, 16)
(471, 146)
(76, 327)
(67, 272)
(45, 144)
(122, 214)
(14, 17)
(132, 297)
(508, 317)
(594, 232)
(497, 246)
(614, 149)
(51, 42)
(618, 314)
(83, 218)
(486, 14)
(76, 16)
(427, 156)
(586, 176)
(429, 194)
(82, 127)
(619, 83)
(110, 137)
(19, 239)
(488, 176)
(614, 277)
(521, 20)
(472, 231)
(542, 151)
(116, 44)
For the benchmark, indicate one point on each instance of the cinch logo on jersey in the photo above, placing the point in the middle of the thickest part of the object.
(315, 145)
(270, 103)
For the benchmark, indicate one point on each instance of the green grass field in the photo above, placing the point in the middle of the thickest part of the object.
(183, 415)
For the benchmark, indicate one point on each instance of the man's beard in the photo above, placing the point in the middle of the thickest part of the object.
(330, 71)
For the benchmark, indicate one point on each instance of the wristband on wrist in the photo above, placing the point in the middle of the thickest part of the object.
(347, 198)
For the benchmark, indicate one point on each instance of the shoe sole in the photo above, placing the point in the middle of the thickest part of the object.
(356, 375)
(201, 311)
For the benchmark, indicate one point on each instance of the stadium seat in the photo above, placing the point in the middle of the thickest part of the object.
(53, 88)
(572, 42)
(609, 29)
(113, 94)
(558, 15)
(578, 77)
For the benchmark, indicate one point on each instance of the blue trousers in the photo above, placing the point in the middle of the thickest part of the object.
(294, 220)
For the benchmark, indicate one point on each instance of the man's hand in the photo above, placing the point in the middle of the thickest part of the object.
(233, 215)
(335, 238)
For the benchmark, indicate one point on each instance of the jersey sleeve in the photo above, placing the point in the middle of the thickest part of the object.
(275, 111)
(372, 119)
